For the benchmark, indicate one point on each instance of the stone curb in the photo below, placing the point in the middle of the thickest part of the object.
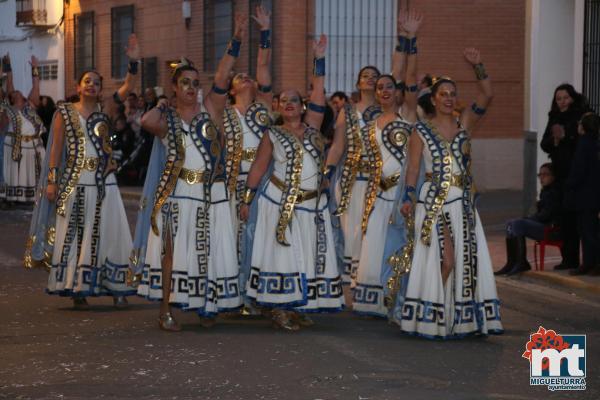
(131, 194)
(564, 281)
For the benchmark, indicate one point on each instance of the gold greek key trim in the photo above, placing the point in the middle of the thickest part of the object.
(389, 182)
(352, 162)
(303, 195)
(374, 181)
(75, 155)
(18, 137)
(173, 166)
(401, 262)
(456, 180)
(194, 176)
(234, 142)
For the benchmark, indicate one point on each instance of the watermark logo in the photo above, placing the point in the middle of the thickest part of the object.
(556, 361)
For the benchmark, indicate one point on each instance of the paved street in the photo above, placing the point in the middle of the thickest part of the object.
(47, 350)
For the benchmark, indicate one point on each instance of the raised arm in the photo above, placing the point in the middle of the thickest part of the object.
(58, 138)
(259, 167)
(316, 106)
(412, 22)
(472, 114)
(263, 61)
(34, 94)
(7, 68)
(217, 97)
(415, 149)
(400, 53)
(154, 121)
(113, 102)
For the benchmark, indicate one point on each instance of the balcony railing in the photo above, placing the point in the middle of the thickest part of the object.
(31, 13)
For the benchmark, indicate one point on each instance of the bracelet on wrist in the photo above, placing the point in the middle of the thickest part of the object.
(478, 110)
(264, 89)
(402, 43)
(319, 66)
(265, 39)
(132, 67)
(35, 72)
(316, 108)
(480, 72)
(409, 195)
(412, 48)
(248, 195)
(52, 175)
(233, 49)
(6, 67)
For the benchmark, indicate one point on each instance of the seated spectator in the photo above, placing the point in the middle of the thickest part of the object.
(548, 212)
(583, 192)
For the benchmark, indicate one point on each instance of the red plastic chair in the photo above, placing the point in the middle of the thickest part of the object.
(549, 233)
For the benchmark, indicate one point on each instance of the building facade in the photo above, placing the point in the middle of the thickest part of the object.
(360, 32)
(34, 27)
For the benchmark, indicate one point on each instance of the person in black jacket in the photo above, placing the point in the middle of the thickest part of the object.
(583, 192)
(548, 211)
(559, 141)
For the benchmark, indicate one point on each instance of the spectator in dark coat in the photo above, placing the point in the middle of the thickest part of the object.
(547, 214)
(559, 141)
(583, 192)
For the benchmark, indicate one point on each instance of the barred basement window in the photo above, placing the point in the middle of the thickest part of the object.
(121, 26)
(48, 70)
(84, 42)
(218, 28)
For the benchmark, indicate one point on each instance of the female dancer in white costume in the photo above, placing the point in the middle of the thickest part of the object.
(451, 290)
(294, 265)
(246, 120)
(386, 148)
(190, 258)
(79, 229)
(23, 146)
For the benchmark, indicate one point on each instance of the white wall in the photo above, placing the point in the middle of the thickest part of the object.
(22, 43)
(556, 53)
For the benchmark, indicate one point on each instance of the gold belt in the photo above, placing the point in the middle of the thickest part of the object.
(249, 154)
(456, 180)
(91, 163)
(25, 139)
(303, 195)
(193, 176)
(389, 182)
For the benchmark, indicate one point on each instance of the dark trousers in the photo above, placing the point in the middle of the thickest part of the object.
(525, 227)
(570, 237)
(587, 226)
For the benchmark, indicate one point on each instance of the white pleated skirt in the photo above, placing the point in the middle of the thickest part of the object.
(205, 275)
(350, 222)
(304, 275)
(367, 289)
(21, 177)
(92, 244)
(452, 310)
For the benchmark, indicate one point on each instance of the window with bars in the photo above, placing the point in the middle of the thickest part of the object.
(84, 42)
(254, 33)
(121, 26)
(591, 54)
(48, 70)
(218, 28)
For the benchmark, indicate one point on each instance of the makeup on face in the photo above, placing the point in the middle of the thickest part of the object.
(185, 83)
(368, 77)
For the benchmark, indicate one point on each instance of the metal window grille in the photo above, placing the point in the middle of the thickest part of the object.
(48, 70)
(31, 12)
(84, 42)
(121, 27)
(360, 32)
(591, 54)
(254, 33)
(218, 27)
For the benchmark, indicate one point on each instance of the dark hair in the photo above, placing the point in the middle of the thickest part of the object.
(276, 96)
(386, 76)
(180, 70)
(340, 95)
(372, 67)
(132, 94)
(88, 71)
(427, 80)
(438, 82)
(425, 100)
(590, 122)
(579, 100)
(549, 167)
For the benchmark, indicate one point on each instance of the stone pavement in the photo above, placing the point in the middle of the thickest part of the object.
(495, 208)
